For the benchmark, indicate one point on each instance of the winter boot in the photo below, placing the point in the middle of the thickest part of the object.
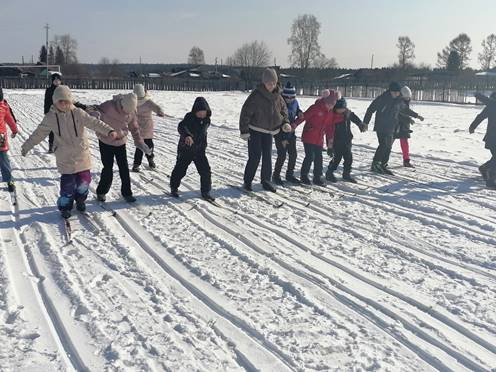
(174, 193)
(65, 214)
(330, 177)
(151, 164)
(81, 206)
(305, 180)
(206, 195)
(347, 177)
(318, 181)
(407, 164)
(483, 171)
(247, 186)
(11, 186)
(129, 199)
(267, 186)
(101, 197)
(376, 167)
(292, 179)
(277, 180)
(385, 170)
(491, 179)
(50, 149)
(136, 168)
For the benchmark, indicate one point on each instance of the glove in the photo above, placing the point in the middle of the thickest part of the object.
(471, 130)
(330, 151)
(189, 141)
(245, 136)
(362, 128)
(365, 127)
(24, 152)
(421, 118)
(13, 135)
(144, 147)
(286, 128)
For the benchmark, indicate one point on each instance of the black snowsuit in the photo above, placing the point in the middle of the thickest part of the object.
(342, 143)
(196, 128)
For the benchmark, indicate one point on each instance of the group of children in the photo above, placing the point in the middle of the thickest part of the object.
(268, 113)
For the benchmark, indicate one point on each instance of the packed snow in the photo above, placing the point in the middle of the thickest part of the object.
(392, 274)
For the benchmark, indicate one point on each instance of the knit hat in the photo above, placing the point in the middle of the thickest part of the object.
(395, 87)
(129, 103)
(201, 104)
(325, 93)
(341, 104)
(139, 90)
(269, 76)
(56, 76)
(289, 91)
(62, 93)
(333, 96)
(406, 92)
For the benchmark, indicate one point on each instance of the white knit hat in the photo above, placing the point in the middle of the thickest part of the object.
(62, 93)
(129, 103)
(139, 90)
(406, 92)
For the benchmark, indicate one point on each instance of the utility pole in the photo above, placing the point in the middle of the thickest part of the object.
(372, 62)
(47, 27)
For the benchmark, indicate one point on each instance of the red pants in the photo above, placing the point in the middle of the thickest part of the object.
(405, 148)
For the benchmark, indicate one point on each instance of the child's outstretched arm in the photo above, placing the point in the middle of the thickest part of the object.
(478, 119)
(37, 136)
(95, 124)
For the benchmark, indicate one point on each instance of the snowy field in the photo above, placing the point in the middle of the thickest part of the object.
(393, 274)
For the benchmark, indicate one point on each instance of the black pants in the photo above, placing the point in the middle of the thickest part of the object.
(184, 159)
(108, 153)
(290, 149)
(384, 149)
(342, 150)
(138, 155)
(259, 146)
(51, 138)
(313, 154)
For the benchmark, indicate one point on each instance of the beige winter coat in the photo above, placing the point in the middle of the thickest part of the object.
(146, 108)
(71, 144)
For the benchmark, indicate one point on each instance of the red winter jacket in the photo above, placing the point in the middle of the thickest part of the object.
(319, 122)
(6, 118)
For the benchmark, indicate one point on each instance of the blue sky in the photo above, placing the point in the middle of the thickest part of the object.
(164, 31)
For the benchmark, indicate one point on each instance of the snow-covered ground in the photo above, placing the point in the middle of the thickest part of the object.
(394, 274)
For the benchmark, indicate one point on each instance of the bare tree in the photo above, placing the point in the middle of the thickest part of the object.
(59, 56)
(487, 57)
(196, 56)
(43, 54)
(462, 45)
(304, 41)
(323, 62)
(254, 54)
(68, 46)
(406, 53)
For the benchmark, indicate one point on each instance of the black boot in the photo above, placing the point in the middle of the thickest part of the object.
(151, 164)
(330, 177)
(483, 171)
(407, 164)
(385, 170)
(206, 195)
(318, 181)
(174, 193)
(81, 206)
(305, 180)
(292, 179)
(129, 198)
(267, 186)
(136, 168)
(277, 180)
(65, 213)
(347, 177)
(247, 186)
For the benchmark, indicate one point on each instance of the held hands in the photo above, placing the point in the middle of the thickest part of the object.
(421, 118)
(144, 147)
(245, 136)
(285, 143)
(24, 152)
(189, 141)
(113, 135)
(471, 130)
(13, 135)
(330, 151)
(286, 128)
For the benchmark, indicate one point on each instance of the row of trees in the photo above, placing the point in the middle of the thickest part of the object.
(62, 50)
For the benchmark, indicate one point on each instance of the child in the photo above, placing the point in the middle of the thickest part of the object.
(6, 118)
(488, 169)
(263, 115)
(145, 121)
(192, 147)
(120, 114)
(286, 142)
(71, 147)
(320, 121)
(342, 142)
(56, 81)
(403, 130)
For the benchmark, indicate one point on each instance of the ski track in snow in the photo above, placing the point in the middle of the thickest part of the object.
(396, 273)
